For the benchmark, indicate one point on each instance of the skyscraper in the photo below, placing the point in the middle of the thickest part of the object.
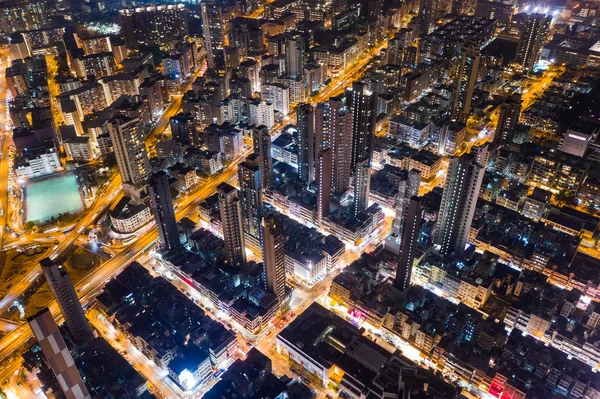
(323, 183)
(212, 31)
(398, 45)
(294, 56)
(251, 200)
(322, 121)
(130, 151)
(532, 38)
(408, 187)
(427, 15)
(508, 119)
(274, 256)
(231, 223)
(57, 354)
(459, 200)
(334, 129)
(262, 147)
(464, 82)
(410, 236)
(363, 107)
(62, 288)
(362, 186)
(305, 122)
(164, 213)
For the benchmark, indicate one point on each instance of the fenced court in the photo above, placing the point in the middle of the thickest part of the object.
(50, 197)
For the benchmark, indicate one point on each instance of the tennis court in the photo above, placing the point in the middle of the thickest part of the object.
(51, 197)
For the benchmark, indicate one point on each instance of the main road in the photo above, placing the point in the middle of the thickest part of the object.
(5, 140)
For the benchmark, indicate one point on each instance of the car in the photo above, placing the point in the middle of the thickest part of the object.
(8, 287)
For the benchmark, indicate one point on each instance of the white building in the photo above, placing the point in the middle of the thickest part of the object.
(127, 218)
(38, 164)
(296, 87)
(262, 113)
(306, 269)
(278, 95)
(416, 134)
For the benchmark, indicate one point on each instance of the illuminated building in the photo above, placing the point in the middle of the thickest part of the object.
(305, 122)
(183, 129)
(464, 83)
(231, 222)
(532, 38)
(362, 184)
(251, 202)
(57, 354)
(18, 16)
(213, 31)
(163, 210)
(333, 127)
(408, 187)
(459, 201)
(130, 151)
(151, 25)
(323, 179)
(278, 95)
(510, 111)
(274, 256)
(63, 291)
(262, 146)
(261, 113)
(363, 107)
(410, 236)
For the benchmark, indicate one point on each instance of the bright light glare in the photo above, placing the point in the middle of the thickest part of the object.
(186, 378)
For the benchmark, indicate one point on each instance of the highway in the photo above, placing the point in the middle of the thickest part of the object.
(5, 141)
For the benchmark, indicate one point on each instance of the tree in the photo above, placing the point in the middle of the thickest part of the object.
(82, 259)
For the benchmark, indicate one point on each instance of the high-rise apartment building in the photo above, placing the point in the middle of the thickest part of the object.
(245, 34)
(362, 185)
(251, 190)
(464, 82)
(262, 146)
(398, 45)
(57, 354)
(62, 288)
(459, 200)
(508, 119)
(213, 32)
(363, 107)
(408, 187)
(130, 151)
(410, 236)
(231, 223)
(532, 38)
(294, 56)
(305, 122)
(333, 129)
(164, 213)
(324, 173)
(153, 25)
(274, 256)
(183, 129)
(428, 10)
